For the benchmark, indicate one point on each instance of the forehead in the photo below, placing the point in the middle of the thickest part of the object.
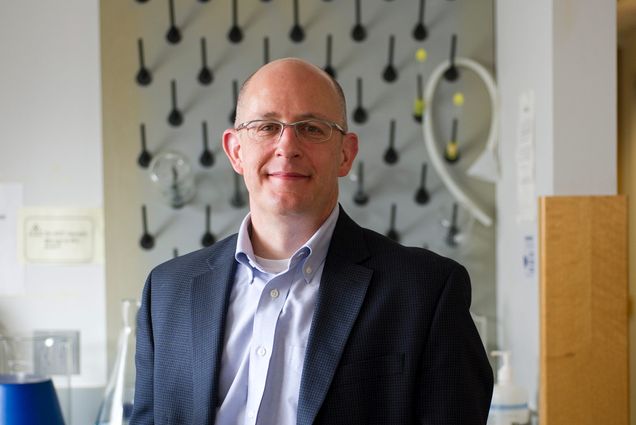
(290, 91)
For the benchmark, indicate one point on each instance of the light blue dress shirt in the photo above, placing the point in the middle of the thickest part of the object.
(267, 327)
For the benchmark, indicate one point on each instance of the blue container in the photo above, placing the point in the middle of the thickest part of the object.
(28, 400)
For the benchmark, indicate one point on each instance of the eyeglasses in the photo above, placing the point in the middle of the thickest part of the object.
(311, 131)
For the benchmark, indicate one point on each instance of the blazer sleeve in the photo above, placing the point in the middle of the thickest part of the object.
(457, 380)
(143, 413)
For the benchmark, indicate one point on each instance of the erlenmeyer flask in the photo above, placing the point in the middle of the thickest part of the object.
(116, 407)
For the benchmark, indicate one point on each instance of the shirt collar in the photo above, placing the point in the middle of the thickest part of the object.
(311, 254)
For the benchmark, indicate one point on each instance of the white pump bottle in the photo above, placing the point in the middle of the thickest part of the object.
(509, 404)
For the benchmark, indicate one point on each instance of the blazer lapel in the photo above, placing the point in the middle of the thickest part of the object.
(342, 290)
(210, 295)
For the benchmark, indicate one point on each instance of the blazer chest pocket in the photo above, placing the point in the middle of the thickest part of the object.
(377, 368)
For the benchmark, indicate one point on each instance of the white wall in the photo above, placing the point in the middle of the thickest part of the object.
(584, 97)
(564, 52)
(50, 142)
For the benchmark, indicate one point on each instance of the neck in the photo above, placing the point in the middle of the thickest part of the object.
(278, 237)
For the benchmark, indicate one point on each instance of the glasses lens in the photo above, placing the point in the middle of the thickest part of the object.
(313, 130)
(264, 130)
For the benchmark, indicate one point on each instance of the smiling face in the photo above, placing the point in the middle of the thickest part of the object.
(290, 177)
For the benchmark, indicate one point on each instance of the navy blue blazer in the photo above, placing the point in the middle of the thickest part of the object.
(391, 341)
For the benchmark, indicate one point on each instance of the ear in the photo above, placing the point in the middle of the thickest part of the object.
(232, 148)
(349, 150)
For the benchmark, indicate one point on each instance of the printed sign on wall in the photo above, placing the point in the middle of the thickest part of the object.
(61, 236)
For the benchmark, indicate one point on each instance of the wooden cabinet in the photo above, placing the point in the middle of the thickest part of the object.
(584, 313)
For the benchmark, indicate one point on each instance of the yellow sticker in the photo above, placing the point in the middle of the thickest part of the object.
(452, 151)
(418, 107)
(458, 99)
(421, 55)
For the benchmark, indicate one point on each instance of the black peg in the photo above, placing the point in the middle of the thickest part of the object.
(359, 32)
(418, 104)
(207, 157)
(360, 114)
(451, 153)
(205, 76)
(390, 155)
(390, 74)
(144, 157)
(237, 200)
(452, 74)
(329, 69)
(204, 1)
(265, 50)
(421, 194)
(144, 77)
(174, 34)
(453, 230)
(208, 238)
(392, 233)
(175, 118)
(419, 31)
(297, 34)
(235, 90)
(147, 241)
(235, 35)
(142, 1)
(175, 252)
(360, 197)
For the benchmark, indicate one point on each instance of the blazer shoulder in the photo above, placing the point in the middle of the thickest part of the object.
(199, 261)
(381, 246)
(374, 250)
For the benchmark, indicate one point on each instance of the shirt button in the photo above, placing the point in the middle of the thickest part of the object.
(274, 293)
(261, 351)
(308, 270)
(250, 414)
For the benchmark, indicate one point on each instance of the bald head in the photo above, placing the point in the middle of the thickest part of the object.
(293, 71)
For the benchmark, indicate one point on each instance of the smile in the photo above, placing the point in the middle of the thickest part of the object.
(287, 175)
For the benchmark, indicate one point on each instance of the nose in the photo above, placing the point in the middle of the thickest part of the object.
(288, 144)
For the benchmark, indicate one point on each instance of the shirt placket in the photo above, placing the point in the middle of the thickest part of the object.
(270, 304)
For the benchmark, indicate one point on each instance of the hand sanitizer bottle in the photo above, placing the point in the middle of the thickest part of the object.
(509, 404)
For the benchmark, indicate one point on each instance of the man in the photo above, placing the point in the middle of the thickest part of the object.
(305, 317)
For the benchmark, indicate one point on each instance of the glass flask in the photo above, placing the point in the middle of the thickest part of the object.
(172, 174)
(36, 368)
(117, 405)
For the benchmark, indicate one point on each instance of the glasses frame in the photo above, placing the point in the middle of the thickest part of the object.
(331, 124)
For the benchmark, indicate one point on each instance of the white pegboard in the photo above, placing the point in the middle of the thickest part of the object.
(385, 184)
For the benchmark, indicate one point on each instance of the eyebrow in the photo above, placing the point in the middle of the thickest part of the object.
(305, 116)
